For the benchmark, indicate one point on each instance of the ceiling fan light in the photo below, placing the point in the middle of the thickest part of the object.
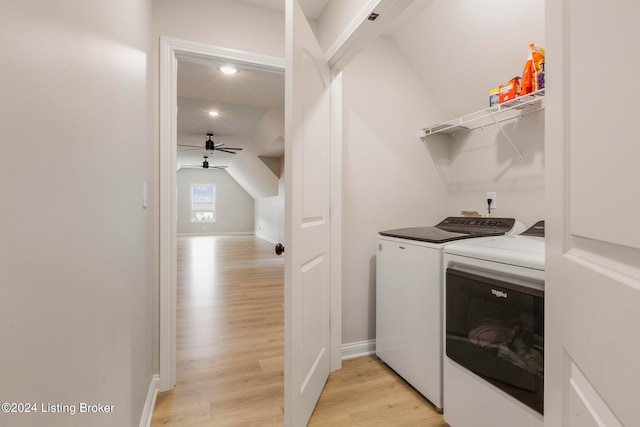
(214, 113)
(228, 69)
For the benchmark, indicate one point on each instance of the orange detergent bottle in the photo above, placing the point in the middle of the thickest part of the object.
(533, 73)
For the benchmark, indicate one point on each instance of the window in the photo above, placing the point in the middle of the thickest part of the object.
(203, 203)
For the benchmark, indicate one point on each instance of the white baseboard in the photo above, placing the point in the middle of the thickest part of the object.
(267, 239)
(358, 349)
(222, 233)
(150, 403)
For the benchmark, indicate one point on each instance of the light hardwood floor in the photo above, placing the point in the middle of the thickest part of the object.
(230, 350)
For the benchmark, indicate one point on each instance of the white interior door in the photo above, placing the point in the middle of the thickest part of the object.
(307, 224)
(592, 298)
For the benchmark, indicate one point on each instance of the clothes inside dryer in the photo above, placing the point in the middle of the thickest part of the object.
(496, 330)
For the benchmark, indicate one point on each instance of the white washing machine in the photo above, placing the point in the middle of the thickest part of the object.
(409, 281)
(494, 331)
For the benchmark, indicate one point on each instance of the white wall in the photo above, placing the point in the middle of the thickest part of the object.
(389, 178)
(335, 18)
(269, 133)
(76, 313)
(253, 174)
(234, 207)
(482, 160)
(228, 23)
(270, 213)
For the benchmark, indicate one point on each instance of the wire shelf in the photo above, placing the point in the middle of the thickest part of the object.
(508, 110)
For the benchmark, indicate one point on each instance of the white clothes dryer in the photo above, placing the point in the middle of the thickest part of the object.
(494, 331)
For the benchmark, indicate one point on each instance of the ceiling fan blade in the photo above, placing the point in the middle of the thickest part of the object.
(201, 168)
(232, 148)
(218, 144)
(226, 151)
(210, 168)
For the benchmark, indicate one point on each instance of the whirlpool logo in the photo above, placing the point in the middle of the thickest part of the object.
(499, 294)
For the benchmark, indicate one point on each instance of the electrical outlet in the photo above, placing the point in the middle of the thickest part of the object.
(492, 195)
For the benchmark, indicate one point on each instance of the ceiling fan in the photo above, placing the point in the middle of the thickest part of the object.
(204, 165)
(211, 145)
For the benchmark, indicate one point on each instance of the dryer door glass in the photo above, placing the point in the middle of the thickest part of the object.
(495, 329)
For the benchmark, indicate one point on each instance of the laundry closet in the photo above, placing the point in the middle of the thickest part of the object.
(435, 64)
(439, 63)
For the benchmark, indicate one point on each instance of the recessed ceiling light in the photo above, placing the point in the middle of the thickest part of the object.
(214, 113)
(228, 70)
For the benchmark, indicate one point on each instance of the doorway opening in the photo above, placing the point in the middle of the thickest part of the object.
(230, 283)
(193, 54)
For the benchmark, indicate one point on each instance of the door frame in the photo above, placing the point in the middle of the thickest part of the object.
(170, 50)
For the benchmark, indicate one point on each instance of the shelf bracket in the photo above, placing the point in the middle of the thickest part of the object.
(507, 137)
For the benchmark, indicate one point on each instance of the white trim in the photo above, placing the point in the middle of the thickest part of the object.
(216, 233)
(267, 239)
(170, 49)
(350, 30)
(150, 403)
(591, 399)
(358, 349)
(336, 220)
(207, 53)
(360, 31)
(168, 213)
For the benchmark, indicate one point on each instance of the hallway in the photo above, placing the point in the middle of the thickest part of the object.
(230, 326)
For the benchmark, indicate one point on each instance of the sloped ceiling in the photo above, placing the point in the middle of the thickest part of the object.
(251, 107)
(463, 48)
(251, 116)
(312, 8)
